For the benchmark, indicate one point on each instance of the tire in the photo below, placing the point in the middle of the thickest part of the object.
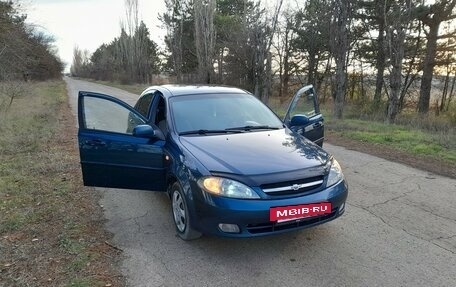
(181, 218)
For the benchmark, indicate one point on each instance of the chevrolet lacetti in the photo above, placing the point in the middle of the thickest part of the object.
(230, 166)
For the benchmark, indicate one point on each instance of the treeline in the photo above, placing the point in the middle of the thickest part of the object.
(225, 42)
(381, 52)
(25, 53)
(131, 57)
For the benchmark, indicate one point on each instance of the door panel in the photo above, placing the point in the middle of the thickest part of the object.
(110, 155)
(304, 117)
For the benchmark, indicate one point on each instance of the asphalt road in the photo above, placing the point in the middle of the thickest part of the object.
(399, 229)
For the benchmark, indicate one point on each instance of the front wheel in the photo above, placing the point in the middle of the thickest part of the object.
(181, 215)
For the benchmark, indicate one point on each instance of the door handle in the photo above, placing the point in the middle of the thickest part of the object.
(317, 125)
(96, 142)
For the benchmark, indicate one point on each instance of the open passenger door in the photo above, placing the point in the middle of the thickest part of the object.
(303, 115)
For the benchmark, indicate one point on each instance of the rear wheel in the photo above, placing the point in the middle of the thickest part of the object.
(181, 215)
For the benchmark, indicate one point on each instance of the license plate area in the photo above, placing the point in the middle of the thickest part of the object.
(297, 212)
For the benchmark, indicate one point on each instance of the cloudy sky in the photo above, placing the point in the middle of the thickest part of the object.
(88, 23)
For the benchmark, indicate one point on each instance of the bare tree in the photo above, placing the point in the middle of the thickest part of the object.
(81, 59)
(340, 49)
(204, 11)
(9, 91)
(263, 57)
(382, 7)
(128, 46)
(284, 50)
(401, 17)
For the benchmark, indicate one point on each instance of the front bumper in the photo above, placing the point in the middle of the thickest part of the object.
(252, 216)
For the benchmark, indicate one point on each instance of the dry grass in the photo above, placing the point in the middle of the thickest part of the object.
(51, 231)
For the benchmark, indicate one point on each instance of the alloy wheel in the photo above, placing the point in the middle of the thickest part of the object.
(179, 213)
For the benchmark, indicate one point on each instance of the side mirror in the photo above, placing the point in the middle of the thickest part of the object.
(144, 131)
(299, 120)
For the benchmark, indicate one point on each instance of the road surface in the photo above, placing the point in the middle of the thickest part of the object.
(399, 229)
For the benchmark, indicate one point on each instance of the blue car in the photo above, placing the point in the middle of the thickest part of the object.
(230, 166)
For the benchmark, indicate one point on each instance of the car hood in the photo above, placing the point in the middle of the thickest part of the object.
(255, 153)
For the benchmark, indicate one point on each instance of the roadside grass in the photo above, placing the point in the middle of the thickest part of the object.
(430, 136)
(439, 145)
(51, 231)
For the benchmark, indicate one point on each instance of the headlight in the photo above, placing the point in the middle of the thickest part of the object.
(335, 174)
(226, 187)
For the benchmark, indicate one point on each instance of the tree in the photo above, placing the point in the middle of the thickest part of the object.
(312, 41)
(340, 49)
(373, 14)
(25, 53)
(432, 16)
(178, 20)
(284, 50)
(204, 11)
(80, 68)
(264, 35)
(400, 17)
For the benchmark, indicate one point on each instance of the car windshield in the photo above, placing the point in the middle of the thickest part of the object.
(204, 114)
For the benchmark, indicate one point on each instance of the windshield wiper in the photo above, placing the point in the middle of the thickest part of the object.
(249, 128)
(204, 132)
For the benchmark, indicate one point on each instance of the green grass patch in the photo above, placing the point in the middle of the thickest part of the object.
(12, 222)
(71, 246)
(440, 145)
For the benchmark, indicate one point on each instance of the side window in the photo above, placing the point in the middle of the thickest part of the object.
(304, 104)
(143, 104)
(105, 115)
(160, 116)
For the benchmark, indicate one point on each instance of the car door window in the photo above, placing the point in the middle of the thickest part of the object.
(144, 104)
(105, 115)
(160, 115)
(303, 104)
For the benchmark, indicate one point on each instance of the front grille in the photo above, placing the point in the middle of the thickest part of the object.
(274, 226)
(293, 187)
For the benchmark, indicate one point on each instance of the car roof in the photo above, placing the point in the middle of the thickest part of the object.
(181, 90)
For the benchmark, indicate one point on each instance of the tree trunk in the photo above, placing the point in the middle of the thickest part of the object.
(450, 96)
(340, 49)
(396, 38)
(397, 56)
(220, 65)
(381, 57)
(428, 68)
(268, 80)
(312, 68)
(204, 38)
(409, 76)
(286, 65)
(445, 91)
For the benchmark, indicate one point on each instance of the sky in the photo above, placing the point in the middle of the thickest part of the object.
(88, 23)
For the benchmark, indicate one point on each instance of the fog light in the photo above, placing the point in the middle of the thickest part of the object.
(229, 228)
(342, 207)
